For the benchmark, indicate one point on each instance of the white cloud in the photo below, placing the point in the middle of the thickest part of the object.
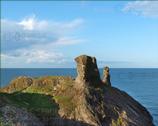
(68, 41)
(143, 8)
(31, 23)
(73, 24)
(5, 57)
(34, 41)
(31, 31)
(28, 24)
(42, 56)
(34, 56)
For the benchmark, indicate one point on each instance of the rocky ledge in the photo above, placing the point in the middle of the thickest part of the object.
(64, 101)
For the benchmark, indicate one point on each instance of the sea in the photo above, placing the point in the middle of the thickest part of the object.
(140, 83)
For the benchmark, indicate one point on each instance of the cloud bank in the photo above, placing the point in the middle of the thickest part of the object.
(36, 41)
(142, 8)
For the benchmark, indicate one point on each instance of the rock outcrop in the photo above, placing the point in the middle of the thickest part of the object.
(85, 101)
(104, 105)
(18, 84)
(87, 71)
(13, 116)
(106, 76)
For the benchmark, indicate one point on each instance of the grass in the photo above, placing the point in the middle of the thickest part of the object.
(39, 90)
(45, 85)
(33, 102)
(29, 100)
(38, 98)
(66, 103)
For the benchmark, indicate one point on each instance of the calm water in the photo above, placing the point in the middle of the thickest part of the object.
(142, 84)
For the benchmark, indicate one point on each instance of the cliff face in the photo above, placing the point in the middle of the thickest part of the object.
(84, 101)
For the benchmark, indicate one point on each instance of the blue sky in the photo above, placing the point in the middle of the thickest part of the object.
(120, 34)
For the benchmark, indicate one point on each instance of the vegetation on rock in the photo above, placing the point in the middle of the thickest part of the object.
(63, 101)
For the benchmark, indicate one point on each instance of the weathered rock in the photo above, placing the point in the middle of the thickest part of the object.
(105, 106)
(122, 110)
(106, 76)
(87, 101)
(18, 84)
(87, 70)
(13, 116)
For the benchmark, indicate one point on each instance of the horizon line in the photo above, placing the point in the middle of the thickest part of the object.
(76, 67)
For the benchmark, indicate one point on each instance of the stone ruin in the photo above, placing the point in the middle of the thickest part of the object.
(87, 71)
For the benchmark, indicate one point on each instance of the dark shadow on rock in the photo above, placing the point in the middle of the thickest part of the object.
(119, 101)
(66, 122)
(40, 105)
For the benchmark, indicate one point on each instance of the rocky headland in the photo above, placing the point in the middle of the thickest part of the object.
(64, 101)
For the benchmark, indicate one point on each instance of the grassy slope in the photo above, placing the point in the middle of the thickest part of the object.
(40, 99)
(33, 102)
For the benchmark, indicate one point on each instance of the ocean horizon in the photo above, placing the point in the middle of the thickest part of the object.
(140, 83)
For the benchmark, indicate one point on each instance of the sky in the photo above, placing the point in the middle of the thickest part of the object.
(50, 34)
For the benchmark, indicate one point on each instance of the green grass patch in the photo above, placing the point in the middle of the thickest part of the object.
(39, 90)
(36, 103)
(66, 103)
